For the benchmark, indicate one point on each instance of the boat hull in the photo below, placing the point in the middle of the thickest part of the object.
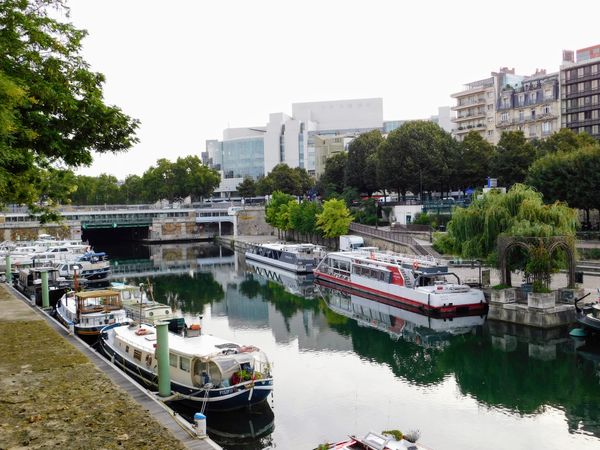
(222, 399)
(88, 334)
(297, 268)
(403, 301)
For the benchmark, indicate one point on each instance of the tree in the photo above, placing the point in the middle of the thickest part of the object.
(274, 207)
(51, 100)
(332, 179)
(247, 188)
(335, 219)
(472, 163)
(564, 140)
(473, 231)
(284, 179)
(358, 152)
(132, 190)
(512, 159)
(569, 176)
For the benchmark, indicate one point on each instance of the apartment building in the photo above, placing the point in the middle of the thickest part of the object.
(476, 109)
(530, 104)
(580, 90)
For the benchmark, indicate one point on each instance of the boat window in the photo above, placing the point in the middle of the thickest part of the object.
(184, 364)
(127, 349)
(172, 360)
(126, 295)
(137, 354)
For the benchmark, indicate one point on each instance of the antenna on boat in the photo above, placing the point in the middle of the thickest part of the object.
(141, 298)
(150, 289)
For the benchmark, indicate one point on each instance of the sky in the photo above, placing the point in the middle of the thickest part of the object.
(187, 69)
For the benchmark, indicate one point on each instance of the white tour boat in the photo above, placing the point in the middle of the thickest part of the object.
(299, 258)
(205, 371)
(414, 282)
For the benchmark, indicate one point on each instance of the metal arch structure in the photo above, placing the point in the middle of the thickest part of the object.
(506, 243)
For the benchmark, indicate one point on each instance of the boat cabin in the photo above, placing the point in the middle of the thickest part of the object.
(97, 301)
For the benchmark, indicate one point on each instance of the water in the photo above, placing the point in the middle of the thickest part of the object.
(347, 365)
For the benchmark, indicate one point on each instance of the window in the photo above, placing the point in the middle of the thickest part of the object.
(580, 72)
(532, 97)
(595, 114)
(594, 99)
(521, 116)
(504, 117)
(546, 128)
(532, 131)
(547, 94)
(490, 133)
(594, 84)
(580, 87)
(521, 99)
(137, 354)
(546, 109)
(172, 359)
(595, 129)
(184, 364)
(505, 102)
(533, 114)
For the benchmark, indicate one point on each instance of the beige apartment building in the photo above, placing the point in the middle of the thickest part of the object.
(328, 146)
(531, 105)
(476, 110)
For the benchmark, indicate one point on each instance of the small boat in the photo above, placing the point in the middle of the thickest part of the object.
(206, 371)
(415, 282)
(29, 282)
(90, 311)
(373, 441)
(142, 309)
(588, 316)
(89, 267)
(299, 258)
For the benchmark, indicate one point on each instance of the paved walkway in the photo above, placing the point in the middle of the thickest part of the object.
(55, 391)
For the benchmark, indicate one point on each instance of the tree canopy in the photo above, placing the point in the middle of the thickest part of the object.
(52, 113)
(359, 150)
(512, 159)
(473, 231)
(335, 219)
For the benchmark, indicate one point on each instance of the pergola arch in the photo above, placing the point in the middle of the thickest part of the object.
(506, 243)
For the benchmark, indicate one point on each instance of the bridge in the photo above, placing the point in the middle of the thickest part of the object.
(163, 222)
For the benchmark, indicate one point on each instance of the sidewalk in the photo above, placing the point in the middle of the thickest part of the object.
(53, 395)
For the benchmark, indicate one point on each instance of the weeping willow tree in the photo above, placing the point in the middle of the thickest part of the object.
(473, 232)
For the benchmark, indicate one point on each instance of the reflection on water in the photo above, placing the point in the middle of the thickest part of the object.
(346, 364)
(297, 284)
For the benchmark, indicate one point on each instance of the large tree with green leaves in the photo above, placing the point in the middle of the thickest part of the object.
(247, 188)
(274, 207)
(335, 219)
(514, 154)
(332, 180)
(571, 176)
(473, 232)
(564, 140)
(283, 178)
(472, 161)
(51, 101)
(359, 150)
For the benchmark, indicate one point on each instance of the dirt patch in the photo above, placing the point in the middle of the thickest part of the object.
(51, 395)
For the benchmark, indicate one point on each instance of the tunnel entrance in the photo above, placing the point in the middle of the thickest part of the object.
(97, 236)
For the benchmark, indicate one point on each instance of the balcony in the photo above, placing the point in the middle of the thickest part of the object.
(470, 103)
(584, 93)
(466, 129)
(470, 116)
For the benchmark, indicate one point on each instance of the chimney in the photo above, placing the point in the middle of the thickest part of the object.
(568, 56)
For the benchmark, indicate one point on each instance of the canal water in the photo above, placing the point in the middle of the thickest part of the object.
(344, 365)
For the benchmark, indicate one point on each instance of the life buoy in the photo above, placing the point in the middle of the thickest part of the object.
(415, 265)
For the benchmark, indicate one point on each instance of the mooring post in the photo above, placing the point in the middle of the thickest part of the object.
(162, 356)
(8, 270)
(45, 291)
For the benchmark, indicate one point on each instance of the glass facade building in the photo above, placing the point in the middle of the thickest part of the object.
(244, 157)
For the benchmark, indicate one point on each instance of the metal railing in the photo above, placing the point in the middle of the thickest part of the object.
(395, 237)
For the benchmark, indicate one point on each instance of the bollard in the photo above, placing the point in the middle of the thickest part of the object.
(45, 292)
(200, 424)
(8, 270)
(162, 356)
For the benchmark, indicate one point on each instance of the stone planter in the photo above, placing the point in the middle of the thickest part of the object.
(508, 295)
(538, 300)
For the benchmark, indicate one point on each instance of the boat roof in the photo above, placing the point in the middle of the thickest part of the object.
(204, 345)
(283, 246)
(98, 293)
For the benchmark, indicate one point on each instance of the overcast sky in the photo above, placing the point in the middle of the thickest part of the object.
(187, 69)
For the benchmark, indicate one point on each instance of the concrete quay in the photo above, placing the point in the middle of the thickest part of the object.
(55, 391)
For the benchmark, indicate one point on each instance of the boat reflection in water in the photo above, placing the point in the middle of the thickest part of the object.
(248, 428)
(399, 323)
(297, 284)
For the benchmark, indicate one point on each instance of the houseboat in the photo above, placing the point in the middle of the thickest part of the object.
(299, 258)
(206, 371)
(89, 311)
(414, 282)
(141, 308)
(29, 282)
